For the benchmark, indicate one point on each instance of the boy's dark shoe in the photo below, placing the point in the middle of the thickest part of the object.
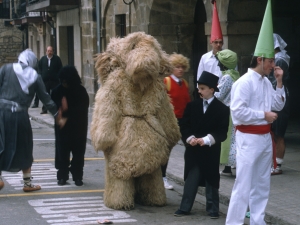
(181, 213)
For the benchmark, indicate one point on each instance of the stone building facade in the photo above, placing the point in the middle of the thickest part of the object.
(180, 26)
(11, 43)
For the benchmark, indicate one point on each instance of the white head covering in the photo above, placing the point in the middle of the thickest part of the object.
(281, 44)
(28, 75)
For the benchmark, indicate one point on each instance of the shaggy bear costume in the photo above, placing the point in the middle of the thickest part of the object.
(133, 121)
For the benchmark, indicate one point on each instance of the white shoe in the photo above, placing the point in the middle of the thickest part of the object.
(166, 184)
(276, 171)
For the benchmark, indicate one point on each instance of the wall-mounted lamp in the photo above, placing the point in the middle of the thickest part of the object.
(128, 2)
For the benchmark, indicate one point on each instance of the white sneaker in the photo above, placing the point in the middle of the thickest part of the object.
(166, 184)
(276, 171)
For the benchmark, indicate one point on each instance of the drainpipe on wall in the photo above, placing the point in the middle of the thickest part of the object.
(98, 12)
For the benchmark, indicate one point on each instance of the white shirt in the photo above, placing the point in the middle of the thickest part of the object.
(251, 96)
(175, 78)
(209, 63)
(49, 60)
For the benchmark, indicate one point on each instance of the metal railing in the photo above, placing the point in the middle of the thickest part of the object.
(30, 2)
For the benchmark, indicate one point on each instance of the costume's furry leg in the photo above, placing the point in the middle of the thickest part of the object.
(150, 189)
(119, 194)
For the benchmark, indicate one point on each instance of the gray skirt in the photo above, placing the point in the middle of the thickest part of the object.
(16, 143)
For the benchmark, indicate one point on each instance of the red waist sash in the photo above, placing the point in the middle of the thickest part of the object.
(260, 129)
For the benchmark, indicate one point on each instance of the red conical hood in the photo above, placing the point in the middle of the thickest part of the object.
(216, 32)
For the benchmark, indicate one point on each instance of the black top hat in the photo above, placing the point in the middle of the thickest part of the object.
(209, 79)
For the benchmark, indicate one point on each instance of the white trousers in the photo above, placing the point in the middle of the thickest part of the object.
(252, 185)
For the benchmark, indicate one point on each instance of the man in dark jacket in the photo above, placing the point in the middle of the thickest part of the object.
(204, 126)
(48, 67)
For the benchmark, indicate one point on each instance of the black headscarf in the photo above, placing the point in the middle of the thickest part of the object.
(70, 75)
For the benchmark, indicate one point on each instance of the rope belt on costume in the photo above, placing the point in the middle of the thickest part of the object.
(11, 105)
(142, 117)
(260, 129)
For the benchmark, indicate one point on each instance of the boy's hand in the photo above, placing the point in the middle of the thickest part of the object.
(193, 142)
(200, 141)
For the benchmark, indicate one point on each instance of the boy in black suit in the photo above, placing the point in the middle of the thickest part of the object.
(204, 127)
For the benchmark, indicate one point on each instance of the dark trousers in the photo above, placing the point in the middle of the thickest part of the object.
(190, 191)
(36, 100)
(63, 163)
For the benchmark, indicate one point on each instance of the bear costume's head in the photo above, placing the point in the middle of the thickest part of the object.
(138, 55)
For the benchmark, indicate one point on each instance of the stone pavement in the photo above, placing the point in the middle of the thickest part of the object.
(284, 201)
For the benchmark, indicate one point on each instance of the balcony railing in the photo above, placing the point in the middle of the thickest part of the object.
(19, 11)
(51, 5)
(20, 16)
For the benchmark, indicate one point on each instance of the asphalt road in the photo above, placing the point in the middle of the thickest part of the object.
(69, 204)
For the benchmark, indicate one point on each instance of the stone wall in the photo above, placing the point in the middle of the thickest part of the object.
(89, 47)
(10, 43)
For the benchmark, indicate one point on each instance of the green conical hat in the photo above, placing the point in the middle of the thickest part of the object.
(265, 44)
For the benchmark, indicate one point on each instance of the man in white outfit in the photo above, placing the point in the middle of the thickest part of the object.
(252, 101)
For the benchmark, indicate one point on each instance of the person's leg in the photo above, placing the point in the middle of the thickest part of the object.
(190, 189)
(239, 199)
(28, 186)
(35, 101)
(1, 181)
(280, 150)
(212, 201)
(77, 163)
(48, 88)
(166, 183)
(259, 193)
(62, 163)
(279, 128)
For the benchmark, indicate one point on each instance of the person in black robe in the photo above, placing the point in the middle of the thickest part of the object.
(72, 137)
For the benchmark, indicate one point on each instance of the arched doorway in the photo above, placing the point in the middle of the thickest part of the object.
(180, 28)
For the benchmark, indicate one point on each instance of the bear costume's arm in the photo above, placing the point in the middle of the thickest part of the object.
(106, 117)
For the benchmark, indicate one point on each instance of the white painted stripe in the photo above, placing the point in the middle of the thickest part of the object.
(43, 139)
(77, 211)
(44, 174)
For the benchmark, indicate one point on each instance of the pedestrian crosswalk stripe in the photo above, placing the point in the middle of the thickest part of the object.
(50, 193)
(44, 174)
(48, 160)
(77, 211)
